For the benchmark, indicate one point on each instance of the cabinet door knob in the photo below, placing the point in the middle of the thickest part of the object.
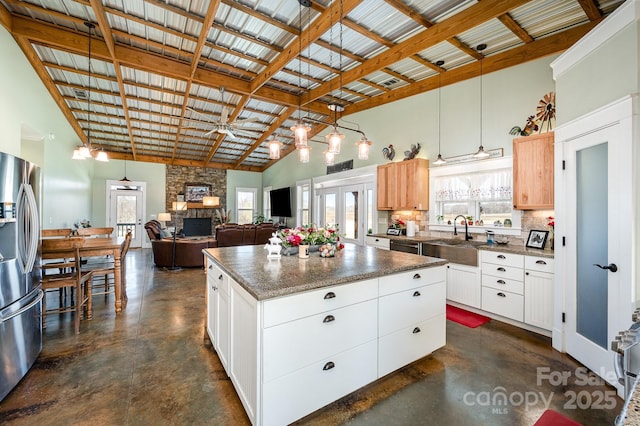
(416, 293)
(220, 277)
(501, 269)
(210, 266)
(526, 273)
(377, 240)
(329, 295)
(501, 256)
(416, 276)
(329, 318)
(502, 294)
(416, 330)
(501, 282)
(541, 262)
(328, 366)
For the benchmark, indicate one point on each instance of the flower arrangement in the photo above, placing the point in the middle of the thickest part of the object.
(552, 222)
(84, 223)
(397, 224)
(310, 235)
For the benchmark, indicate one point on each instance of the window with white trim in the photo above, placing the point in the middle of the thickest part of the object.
(246, 204)
(266, 202)
(303, 202)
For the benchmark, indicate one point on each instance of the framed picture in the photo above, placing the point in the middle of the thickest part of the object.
(394, 231)
(195, 192)
(537, 239)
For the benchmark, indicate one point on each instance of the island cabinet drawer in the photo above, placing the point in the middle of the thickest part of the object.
(398, 349)
(216, 277)
(400, 310)
(297, 394)
(296, 344)
(500, 271)
(289, 308)
(380, 242)
(411, 279)
(503, 303)
(503, 283)
(540, 264)
(502, 258)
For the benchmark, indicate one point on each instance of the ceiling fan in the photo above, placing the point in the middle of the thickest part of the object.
(224, 126)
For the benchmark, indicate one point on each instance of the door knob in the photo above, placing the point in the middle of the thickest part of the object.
(612, 267)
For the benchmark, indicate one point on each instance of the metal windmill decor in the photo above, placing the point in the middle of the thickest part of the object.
(546, 110)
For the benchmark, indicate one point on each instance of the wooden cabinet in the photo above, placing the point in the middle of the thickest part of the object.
(538, 292)
(463, 284)
(533, 172)
(404, 185)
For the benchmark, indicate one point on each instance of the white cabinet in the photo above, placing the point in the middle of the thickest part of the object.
(379, 242)
(538, 292)
(463, 284)
(503, 284)
(218, 310)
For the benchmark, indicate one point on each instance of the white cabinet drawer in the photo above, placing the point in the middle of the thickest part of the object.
(296, 344)
(297, 394)
(503, 303)
(217, 278)
(289, 308)
(502, 258)
(503, 283)
(411, 279)
(378, 242)
(540, 264)
(398, 349)
(502, 271)
(400, 310)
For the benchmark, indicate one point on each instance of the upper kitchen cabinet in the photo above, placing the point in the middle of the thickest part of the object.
(533, 172)
(404, 185)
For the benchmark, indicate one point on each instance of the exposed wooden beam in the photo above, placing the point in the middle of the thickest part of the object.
(528, 52)
(6, 20)
(591, 9)
(515, 28)
(463, 21)
(176, 162)
(309, 35)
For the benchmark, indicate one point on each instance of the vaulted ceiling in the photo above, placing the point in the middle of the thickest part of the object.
(165, 73)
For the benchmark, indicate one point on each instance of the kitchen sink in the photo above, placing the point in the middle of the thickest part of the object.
(454, 250)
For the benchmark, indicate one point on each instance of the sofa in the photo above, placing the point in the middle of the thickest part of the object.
(189, 250)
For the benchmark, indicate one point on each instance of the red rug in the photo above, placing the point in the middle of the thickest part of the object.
(553, 418)
(465, 317)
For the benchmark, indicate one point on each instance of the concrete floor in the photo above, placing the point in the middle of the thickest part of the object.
(153, 365)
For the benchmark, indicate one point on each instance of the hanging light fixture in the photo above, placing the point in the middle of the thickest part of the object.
(124, 179)
(274, 148)
(439, 161)
(329, 158)
(300, 129)
(304, 153)
(481, 154)
(364, 146)
(102, 156)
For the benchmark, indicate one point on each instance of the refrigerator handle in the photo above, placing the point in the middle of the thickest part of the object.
(28, 227)
(24, 308)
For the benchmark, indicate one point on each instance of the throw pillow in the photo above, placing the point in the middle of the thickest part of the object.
(166, 234)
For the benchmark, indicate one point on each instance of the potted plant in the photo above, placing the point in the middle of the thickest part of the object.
(469, 220)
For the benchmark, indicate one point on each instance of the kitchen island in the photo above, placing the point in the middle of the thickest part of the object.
(297, 334)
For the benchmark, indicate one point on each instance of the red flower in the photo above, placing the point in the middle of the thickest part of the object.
(552, 222)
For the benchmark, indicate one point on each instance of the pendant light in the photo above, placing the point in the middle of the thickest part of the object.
(439, 161)
(124, 179)
(364, 146)
(274, 148)
(481, 154)
(300, 129)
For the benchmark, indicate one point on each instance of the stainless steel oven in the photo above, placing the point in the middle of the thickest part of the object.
(405, 246)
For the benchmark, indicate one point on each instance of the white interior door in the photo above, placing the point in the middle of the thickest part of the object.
(597, 193)
(352, 218)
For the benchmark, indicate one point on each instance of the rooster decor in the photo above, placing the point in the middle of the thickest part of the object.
(529, 128)
(410, 155)
(389, 152)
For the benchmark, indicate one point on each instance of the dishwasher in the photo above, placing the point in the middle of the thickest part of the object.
(405, 246)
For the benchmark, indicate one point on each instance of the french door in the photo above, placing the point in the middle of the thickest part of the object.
(596, 265)
(345, 206)
(126, 213)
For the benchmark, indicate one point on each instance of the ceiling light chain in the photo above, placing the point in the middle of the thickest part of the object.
(439, 160)
(300, 129)
(481, 154)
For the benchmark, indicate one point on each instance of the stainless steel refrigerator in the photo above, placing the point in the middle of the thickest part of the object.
(20, 270)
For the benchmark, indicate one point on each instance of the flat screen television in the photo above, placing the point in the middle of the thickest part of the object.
(280, 202)
(196, 226)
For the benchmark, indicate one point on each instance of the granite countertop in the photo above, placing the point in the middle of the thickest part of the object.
(506, 248)
(264, 278)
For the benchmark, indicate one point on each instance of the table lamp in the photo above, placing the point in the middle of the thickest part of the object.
(176, 206)
(164, 218)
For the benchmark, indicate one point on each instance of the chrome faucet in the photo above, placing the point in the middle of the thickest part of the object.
(467, 237)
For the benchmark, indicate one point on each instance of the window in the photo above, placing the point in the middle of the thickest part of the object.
(266, 202)
(303, 201)
(245, 204)
(482, 191)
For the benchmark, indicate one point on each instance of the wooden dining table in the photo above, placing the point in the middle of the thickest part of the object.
(101, 247)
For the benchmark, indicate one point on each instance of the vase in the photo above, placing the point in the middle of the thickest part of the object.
(288, 251)
(303, 251)
(327, 250)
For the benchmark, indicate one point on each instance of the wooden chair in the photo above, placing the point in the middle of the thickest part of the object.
(68, 275)
(106, 267)
(95, 232)
(56, 233)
